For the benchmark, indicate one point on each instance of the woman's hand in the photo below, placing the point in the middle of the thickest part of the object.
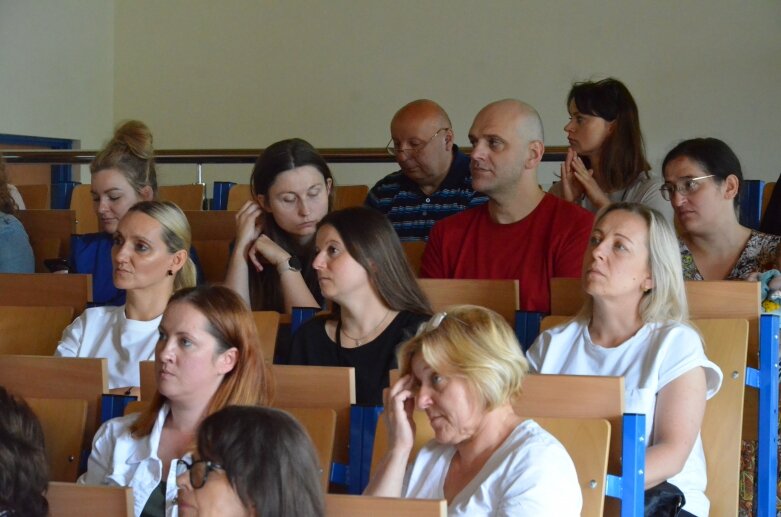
(268, 251)
(399, 405)
(585, 178)
(572, 190)
(249, 224)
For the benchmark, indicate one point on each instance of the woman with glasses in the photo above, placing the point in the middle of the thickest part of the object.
(464, 369)
(702, 179)
(606, 160)
(633, 325)
(251, 461)
(208, 357)
(377, 301)
(271, 263)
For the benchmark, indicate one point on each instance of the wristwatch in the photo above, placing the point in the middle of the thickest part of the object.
(291, 264)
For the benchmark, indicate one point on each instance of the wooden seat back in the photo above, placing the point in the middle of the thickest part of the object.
(82, 206)
(239, 194)
(767, 193)
(50, 233)
(726, 342)
(46, 290)
(32, 330)
(587, 441)
(63, 422)
(319, 387)
(320, 425)
(59, 378)
(413, 250)
(348, 196)
(212, 233)
(35, 197)
(267, 323)
(500, 296)
(339, 505)
(186, 197)
(69, 499)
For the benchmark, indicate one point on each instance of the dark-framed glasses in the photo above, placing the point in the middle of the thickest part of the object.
(199, 471)
(413, 149)
(684, 187)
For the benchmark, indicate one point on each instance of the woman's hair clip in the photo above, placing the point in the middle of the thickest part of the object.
(435, 321)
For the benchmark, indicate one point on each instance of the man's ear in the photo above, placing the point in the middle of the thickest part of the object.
(449, 140)
(536, 150)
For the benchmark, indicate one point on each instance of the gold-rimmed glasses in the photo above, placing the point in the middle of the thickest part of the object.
(684, 187)
(414, 149)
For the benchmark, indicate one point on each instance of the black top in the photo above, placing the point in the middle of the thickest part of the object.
(372, 361)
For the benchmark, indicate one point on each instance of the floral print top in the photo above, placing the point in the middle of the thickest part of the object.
(758, 255)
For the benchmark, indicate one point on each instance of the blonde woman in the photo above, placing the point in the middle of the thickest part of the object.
(150, 261)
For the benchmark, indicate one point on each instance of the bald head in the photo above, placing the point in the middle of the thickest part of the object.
(523, 117)
(422, 134)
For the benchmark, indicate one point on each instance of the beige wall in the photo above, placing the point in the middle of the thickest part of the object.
(56, 69)
(247, 73)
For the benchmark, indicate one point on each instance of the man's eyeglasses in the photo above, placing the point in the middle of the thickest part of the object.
(684, 187)
(199, 471)
(414, 149)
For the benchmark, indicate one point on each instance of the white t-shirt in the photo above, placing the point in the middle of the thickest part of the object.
(529, 474)
(656, 355)
(106, 332)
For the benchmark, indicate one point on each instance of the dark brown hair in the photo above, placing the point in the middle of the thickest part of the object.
(232, 325)
(24, 472)
(622, 156)
(268, 459)
(371, 240)
(264, 287)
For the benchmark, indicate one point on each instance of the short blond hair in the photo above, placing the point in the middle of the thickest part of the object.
(474, 343)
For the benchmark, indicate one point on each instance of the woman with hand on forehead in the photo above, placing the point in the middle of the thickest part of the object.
(271, 263)
(464, 369)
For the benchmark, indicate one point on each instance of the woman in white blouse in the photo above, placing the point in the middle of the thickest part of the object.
(463, 370)
(150, 261)
(633, 324)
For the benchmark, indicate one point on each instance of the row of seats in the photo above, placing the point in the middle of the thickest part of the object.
(707, 300)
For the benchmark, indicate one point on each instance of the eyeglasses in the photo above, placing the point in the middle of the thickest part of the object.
(199, 471)
(684, 187)
(413, 150)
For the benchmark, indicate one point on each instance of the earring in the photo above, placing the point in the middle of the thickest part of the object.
(170, 273)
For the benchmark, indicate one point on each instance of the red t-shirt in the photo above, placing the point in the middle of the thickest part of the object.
(547, 243)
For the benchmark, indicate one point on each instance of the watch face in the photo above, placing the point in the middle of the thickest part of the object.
(294, 264)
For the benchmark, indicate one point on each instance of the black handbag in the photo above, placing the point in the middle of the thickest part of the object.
(663, 500)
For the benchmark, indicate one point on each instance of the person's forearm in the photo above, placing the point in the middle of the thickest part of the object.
(237, 276)
(388, 479)
(295, 292)
(662, 462)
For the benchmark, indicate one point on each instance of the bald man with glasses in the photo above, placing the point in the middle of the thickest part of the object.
(434, 181)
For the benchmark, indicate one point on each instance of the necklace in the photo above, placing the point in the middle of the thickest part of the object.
(359, 340)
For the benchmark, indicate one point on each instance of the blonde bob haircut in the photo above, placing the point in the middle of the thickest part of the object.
(473, 343)
(176, 236)
(666, 300)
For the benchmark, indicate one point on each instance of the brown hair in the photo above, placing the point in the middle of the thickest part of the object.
(622, 156)
(232, 325)
(130, 152)
(24, 471)
(7, 203)
(373, 243)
